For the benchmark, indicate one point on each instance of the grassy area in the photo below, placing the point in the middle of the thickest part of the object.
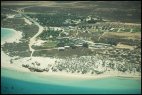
(133, 39)
(125, 30)
(50, 44)
(124, 46)
(47, 45)
(80, 51)
(114, 30)
(122, 35)
(136, 30)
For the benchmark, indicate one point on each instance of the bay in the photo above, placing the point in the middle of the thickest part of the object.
(6, 33)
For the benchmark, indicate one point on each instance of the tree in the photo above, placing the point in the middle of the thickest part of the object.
(121, 68)
(60, 44)
(84, 71)
(85, 45)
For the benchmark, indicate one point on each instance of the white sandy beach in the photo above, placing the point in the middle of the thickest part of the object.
(17, 66)
(70, 76)
(62, 75)
(17, 35)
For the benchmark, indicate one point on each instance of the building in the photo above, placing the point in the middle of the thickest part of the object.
(61, 48)
(66, 46)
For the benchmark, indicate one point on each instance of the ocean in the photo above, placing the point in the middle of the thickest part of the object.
(6, 33)
(15, 82)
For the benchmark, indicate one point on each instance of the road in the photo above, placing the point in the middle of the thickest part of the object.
(32, 39)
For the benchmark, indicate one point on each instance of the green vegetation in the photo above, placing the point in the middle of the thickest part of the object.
(49, 34)
(85, 45)
(56, 19)
(78, 51)
(69, 33)
(3, 16)
(17, 49)
(47, 45)
(137, 30)
(50, 44)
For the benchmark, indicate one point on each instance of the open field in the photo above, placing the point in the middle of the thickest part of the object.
(124, 46)
(124, 35)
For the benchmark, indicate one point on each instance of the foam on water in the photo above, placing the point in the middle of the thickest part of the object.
(17, 82)
(20, 82)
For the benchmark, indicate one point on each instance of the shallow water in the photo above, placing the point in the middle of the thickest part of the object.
(6, 33)
(17, 82)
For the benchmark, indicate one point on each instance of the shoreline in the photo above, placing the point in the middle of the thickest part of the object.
(62, 81)
(67, 76)
(15, 37)
(64, 75)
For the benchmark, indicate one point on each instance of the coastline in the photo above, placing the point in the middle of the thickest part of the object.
(16, 36)
(61, 84)
(68, 76)
(63, 79)
(64, 75)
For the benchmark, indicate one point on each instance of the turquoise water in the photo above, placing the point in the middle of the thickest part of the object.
(6, 33)
(17, 82)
